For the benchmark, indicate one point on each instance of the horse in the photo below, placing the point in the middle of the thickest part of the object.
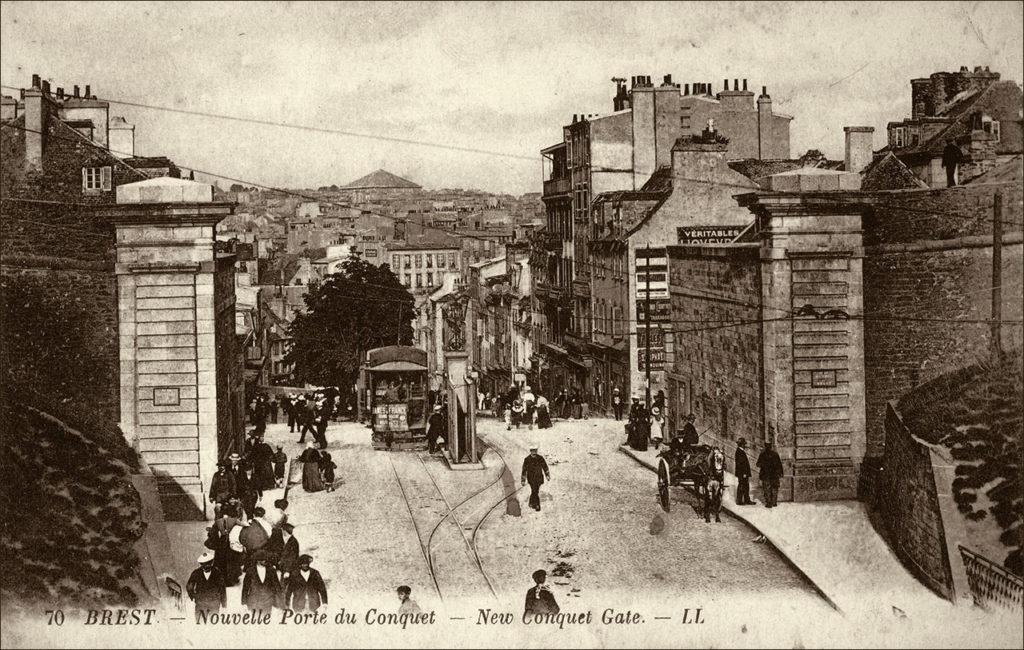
(714, 485)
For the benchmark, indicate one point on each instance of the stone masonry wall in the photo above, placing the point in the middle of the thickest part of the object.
(909, 505)
(923, 270)
(717, 371)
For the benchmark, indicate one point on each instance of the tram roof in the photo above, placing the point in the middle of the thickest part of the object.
(398, 366)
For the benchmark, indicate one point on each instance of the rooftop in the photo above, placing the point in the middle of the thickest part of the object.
(381, 180)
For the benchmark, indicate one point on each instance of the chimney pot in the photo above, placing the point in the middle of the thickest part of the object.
(77, 91)
(735, 84)
(744, 84)
(60, 93)
(686, 89)
(87, 91)
(725, 84)
(35, 81)
(764, 90)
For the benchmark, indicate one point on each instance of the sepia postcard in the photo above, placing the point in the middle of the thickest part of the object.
(511, 324)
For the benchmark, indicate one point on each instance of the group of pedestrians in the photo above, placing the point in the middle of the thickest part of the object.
(524, 407)
(318, 470)
(241, 481)
(644, 426)
(310, 414)
(264, 554)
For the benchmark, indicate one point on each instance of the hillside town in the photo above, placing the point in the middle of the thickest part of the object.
(804, 370)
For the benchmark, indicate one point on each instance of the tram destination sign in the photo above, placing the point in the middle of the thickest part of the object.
(708, 234)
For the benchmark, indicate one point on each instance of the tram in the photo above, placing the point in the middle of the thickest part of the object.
(396, 383)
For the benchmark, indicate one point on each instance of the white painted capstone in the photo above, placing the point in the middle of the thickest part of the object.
(165, 189)
(814, 179)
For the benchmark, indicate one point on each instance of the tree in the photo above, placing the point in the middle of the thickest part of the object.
(360, 308)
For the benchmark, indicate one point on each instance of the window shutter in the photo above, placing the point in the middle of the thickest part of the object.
(85, 178)
(105, 180)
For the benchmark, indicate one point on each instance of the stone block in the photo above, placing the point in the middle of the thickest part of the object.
(167, 341)
(165, 367)
(164, 315)
(205, 327)
(165, 291)
(207, 364)
(146, 419)
(168, 379)
(179, 327)
(156, 279)
(166, 354)
(175, 470)
(169, 431)
(168, 444)
(127, 353)
(166, 302)
(208, 391)
(126, 317)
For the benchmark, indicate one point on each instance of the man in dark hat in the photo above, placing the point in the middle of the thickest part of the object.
(205, 587)
(435, 428)
(742, 469)
(770, 465)
(535, 470)
(305, 590)
(261, 590)
(283, 548)
(539, 599)
(222, 487)
(408, 605)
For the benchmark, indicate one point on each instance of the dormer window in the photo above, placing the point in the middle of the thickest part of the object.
(96, 179)
(899, 137)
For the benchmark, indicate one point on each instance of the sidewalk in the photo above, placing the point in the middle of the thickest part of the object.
(834, 544)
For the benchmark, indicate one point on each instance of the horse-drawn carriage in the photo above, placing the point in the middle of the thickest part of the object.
(699, 468)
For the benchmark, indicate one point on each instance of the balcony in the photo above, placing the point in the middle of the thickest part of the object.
(557, 187)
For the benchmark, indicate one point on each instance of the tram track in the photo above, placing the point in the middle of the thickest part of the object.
(432, 543)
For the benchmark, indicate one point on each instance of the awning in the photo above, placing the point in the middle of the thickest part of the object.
(398, 366)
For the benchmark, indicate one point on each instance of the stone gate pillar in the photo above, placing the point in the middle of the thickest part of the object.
(813, 332)
(174, 305)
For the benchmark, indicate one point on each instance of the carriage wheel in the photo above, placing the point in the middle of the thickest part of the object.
(664, 481)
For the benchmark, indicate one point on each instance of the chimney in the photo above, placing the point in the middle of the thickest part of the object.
(35, 125)
(725, 84)
(46, 87)
(744, 85)
(667, 80)
(87, 91)
(60, 93)
(735, 84)
(708, 88)
(977, 68)
(76, 91)
(765, 144)
(859, 147)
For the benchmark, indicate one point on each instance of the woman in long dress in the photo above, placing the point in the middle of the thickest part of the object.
(310, 459)
(657, 426)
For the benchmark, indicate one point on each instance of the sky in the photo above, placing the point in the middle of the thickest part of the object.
(493, 76)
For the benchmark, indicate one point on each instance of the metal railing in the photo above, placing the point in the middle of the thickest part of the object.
(992, 585)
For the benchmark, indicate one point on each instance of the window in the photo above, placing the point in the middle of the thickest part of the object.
(419, 260)
(440, 260)
(408, 280)
(419, 281)
(96, 179)
(394, 261)
(992, 128)
(899, 136)
(429, 261)
(408, 261)
(452, 260)
(430, 279)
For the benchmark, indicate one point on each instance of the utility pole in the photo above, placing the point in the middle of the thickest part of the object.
(647, 330)
(997, 277)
